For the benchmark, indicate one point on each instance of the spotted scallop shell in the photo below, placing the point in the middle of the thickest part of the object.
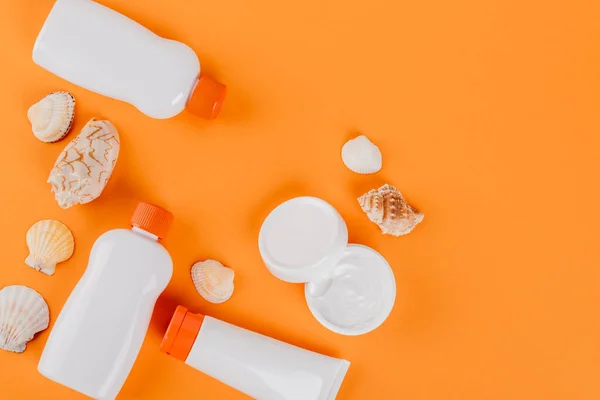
(50, 242)
(360, 155)
(387, 208)
(213, 280)
(52, 117)
(85, 165)
(23, 313)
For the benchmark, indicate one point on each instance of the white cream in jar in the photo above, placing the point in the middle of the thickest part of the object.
(350, 289)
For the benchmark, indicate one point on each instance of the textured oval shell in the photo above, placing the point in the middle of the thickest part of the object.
(50, 242)
(387, 208)
(83, 168)
(213, 280)
(23, 313)
(360, 155)
(52, 117)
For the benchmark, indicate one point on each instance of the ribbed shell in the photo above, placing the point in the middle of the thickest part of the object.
(50, 242)
(360, 155)
(85, 165)
(23, 313)
(387, 208)
(52, 117)
(213, 280)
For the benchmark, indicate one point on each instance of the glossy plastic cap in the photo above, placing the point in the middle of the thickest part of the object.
(207, 99)
(152, 219)
(181, 333)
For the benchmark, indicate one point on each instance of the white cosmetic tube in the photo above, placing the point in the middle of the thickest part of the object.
(257, 365)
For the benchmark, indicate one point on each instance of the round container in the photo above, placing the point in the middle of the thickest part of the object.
(350, 288)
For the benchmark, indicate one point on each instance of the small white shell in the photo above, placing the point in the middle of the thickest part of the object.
(360, 155)
(50, 242)
(52, 117)
(213, 280)
(83, 168)
(23, 313)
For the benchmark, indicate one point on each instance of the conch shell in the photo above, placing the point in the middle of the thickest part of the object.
(52, 117)
(84, 166)
(50, 242)
(360, 155)
(387, 208)
(23, 313)
(213, 280)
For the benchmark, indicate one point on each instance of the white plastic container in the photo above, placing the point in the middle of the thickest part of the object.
(350, 288)
(101, 50)
(257, 365)
(100, 330)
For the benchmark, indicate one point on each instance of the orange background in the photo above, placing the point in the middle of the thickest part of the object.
(487, 116)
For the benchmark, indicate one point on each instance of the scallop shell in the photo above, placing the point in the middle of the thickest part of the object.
(85, 165)
(50, 242)
(387, 208)
(52, 117)
(360, 155)
(213, 280)
(23, 313)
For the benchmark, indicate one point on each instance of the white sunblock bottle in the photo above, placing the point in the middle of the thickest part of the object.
(100, 330)
(257, 365)
(101, 50)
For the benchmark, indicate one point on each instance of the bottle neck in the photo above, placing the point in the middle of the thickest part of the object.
(192, 91)
(144, 233)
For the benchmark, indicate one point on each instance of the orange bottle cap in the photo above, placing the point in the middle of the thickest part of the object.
(207, 99)
(181, 333)
(152, 219)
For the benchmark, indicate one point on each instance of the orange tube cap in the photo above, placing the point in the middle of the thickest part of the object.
(207, 99)
(181, 333)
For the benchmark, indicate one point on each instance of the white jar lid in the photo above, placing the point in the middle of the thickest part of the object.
(350, 288)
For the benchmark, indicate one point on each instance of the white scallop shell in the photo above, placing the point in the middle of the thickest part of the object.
(50, 242)
(23, 313)
(52, 117)
(83, 168)
(360, 155)
(213, 280)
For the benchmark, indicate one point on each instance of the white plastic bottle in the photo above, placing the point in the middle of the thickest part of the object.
(100, 330)
(257, 365)
(101, 50)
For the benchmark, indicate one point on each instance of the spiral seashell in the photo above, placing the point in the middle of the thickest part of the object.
(387, 208)
(85, 165)
(52, 117)
(50, 242)
(213, 280)
(23, 313)
(360, 155)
